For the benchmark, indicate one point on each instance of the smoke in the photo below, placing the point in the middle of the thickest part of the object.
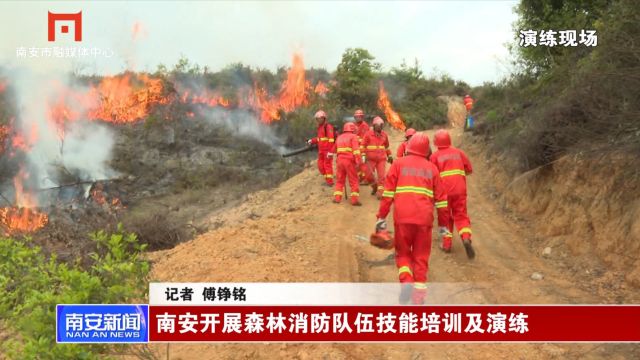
(57, 152)
(87, 150)
(245, 123)
(241, 122)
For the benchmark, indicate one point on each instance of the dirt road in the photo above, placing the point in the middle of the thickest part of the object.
(294, 233)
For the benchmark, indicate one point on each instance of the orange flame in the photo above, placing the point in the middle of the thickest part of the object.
(385, 105)
(205, 97)
(23, 142)
(126, 99)
(321, 88)
(22, 218)
(293, 93)
(267, 108)
(98, 195)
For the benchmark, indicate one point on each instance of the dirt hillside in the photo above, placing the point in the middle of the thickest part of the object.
(294, 233)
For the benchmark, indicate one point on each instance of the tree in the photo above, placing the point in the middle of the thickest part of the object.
(355, 85)
(407, 74)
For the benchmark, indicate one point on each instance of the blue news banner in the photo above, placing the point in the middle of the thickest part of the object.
(102, 323)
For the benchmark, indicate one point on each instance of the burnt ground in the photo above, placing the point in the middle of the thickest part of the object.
(171, 176)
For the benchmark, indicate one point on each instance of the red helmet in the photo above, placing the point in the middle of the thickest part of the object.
(349, 127)
(442, 139)
(358, 113)
(320, 114)
(378, 121)
(418, 145)
(467, 95)
(409, 133)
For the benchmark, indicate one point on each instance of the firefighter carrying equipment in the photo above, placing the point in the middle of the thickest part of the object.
(414, 187)
(325, 140)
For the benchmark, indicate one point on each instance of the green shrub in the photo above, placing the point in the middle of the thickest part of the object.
(32, 285)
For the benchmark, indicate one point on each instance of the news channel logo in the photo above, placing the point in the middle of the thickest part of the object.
(100, 323)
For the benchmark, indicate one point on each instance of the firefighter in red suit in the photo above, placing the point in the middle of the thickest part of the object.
(402, 148)
(468, 103)
(348, 160)
(454, 166)
(414, 187)
(364, 172)
(377, 153)
(326, 146)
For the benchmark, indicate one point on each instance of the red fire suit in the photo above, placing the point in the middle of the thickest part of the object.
(363, 170)
(348, 153)
(414, 186)
(326, 144)
(454, 165)
(468, 103)
(402, 148)
(376, 147)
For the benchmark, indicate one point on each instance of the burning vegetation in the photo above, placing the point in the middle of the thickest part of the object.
(123, 102)
(23, 217)
(385, 105)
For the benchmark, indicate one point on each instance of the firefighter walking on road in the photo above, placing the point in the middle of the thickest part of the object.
(377, 153)
(361, 130)
(414, 187)
(325, 140)
(348, 160)
(454, 166)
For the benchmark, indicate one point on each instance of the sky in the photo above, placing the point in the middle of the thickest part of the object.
(465, 39)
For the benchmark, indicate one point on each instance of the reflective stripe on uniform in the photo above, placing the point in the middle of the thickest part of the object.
(405, 269)
(420, 285)
(345, 149)
(453, 172)
(356, 152)
(464, 231)
(415, 190)
(331, 140)
(387, 193)
(441, 204)
(328, 176)
(335, 193)
(375, 147)
(355, 194)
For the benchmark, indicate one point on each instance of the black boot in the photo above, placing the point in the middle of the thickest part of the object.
(469, 249)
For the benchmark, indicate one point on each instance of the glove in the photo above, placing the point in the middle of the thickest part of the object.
(309, 142)
(443, 231)
(381, 224)
(364, 159)
(329, 155)
(390, 159)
